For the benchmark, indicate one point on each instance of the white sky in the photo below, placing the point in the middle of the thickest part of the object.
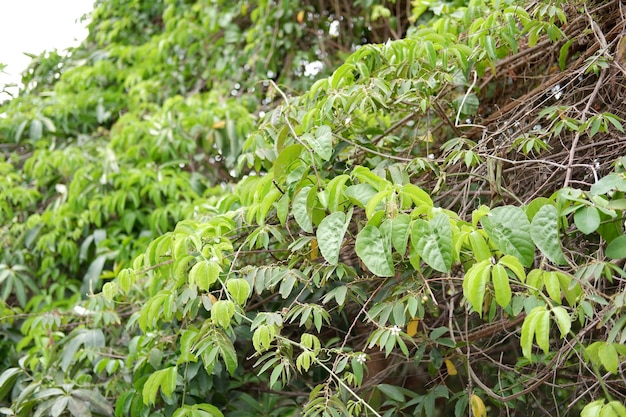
(34, 26)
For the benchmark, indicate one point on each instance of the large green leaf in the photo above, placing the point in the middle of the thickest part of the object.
(509, 229)
(330, 235)
(374, 251)
(433, 241)
(544, 230)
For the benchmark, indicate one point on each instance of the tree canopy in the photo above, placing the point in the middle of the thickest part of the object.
(310, 208)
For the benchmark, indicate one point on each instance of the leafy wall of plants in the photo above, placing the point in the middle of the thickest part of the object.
(194, 227)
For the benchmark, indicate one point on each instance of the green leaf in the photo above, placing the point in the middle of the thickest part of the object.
(301, 210)
(501, 285)
(479, 246)
(204, 274)
(587, 219)
(592, 409)
(509, 229)
(7, 380)
(330, 234)
(286, 158)
(542, 329)
(528, 331)
(474, 284)
(335, 189)
(553, 285)
(608, 357)
(617, 248)
(514, 265)
(321, 142)
(563, 320)
(360, 194)
(222, 312)
(164, 379)
(544, 230)
(563, 54)
(374, 251)
(239, 289)
(400, 232)
(433, 241)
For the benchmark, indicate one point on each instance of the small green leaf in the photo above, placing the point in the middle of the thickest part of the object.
(374, 251)
(587, 219)
(474, 284)
(514, 265)
(204, 274)
(479, 246)
(563, 53)
(501, 285)
(553, 285)
(330, 234)
(528, 332)
(239, 289)
(563, 320)
(544, 230)
(542, 329)
(222, 312)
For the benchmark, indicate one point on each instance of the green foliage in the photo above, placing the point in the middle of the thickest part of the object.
(193, 225)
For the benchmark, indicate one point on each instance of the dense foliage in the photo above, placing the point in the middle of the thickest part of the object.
(368, 208)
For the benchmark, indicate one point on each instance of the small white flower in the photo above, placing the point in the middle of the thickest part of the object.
(395, 330)
(311, 69)
(347, 121)
(468, 121)
(557, 91)
(431, 156)
(361, 358)
(333, 30)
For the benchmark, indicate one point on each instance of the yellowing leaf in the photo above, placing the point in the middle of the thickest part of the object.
(219, 124)
(451, 368)
(411, 328)
(300, 16)
(315, 250)
(478, 407)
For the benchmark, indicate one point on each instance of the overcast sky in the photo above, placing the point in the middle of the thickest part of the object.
(34, 26)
